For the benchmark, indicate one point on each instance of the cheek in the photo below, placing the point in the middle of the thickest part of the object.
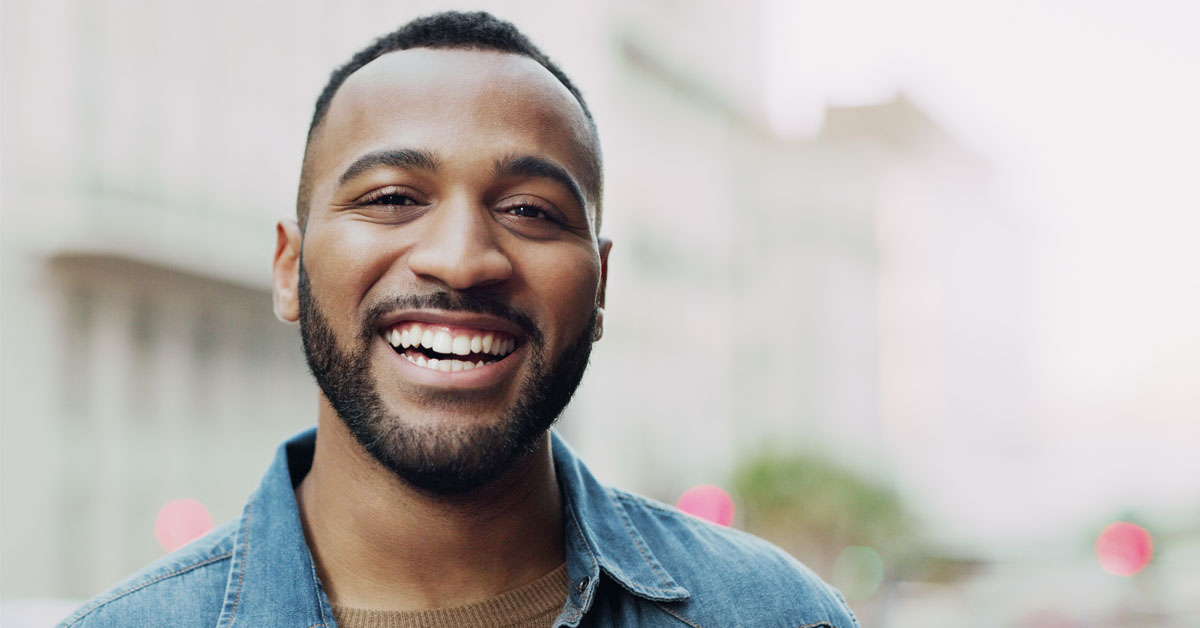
(342, 263)
(567, 286)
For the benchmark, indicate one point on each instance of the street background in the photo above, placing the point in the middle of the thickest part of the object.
(915, 283)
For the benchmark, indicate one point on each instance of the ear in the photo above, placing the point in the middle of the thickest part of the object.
(605, 247)
(286, 270)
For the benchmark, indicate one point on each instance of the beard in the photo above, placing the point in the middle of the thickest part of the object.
(443, 460)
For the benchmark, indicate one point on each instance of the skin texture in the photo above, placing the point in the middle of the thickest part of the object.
(464, 229)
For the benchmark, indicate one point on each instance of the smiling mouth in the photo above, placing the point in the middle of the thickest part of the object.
(449, 349)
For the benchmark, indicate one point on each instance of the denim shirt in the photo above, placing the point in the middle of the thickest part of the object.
(631, 562)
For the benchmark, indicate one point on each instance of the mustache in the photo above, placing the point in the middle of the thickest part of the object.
(451, 302)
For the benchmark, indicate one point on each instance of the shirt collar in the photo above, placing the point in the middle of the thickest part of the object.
(601, 535)
(273, 579)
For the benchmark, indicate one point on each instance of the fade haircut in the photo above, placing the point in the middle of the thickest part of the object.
(454, 30)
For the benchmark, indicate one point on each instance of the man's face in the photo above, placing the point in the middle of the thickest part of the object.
(450, 273)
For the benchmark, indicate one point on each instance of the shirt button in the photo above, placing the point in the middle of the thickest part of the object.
(583, 584)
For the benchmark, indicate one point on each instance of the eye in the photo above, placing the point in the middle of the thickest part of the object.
(528, 211)
(533, 216)
(391, 198)
(392, 204)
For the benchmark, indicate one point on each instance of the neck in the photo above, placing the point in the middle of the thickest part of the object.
(380, 544)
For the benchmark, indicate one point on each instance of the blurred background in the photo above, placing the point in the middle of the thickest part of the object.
(909, 288)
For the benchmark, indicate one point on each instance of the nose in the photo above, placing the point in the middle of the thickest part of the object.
(458, 248)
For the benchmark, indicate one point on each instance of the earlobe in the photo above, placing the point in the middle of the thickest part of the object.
(286, 270)
(598, 328)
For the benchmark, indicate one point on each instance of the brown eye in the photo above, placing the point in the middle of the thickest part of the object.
(528, 211)
(391, 196)
(393, 199)
(391, 205)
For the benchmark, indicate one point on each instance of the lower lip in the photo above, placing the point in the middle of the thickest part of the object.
(478, 377)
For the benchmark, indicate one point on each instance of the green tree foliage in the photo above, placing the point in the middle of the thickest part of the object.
(800, 499)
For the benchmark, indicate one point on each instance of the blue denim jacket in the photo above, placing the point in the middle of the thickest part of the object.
(631, 562)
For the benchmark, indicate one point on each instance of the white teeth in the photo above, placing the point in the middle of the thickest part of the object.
(442, 343)
(448, 366)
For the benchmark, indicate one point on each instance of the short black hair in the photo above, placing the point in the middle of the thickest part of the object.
(477, 30)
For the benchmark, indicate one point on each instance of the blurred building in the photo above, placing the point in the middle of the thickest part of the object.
(149, 147)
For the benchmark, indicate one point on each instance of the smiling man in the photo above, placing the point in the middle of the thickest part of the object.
(448, 277)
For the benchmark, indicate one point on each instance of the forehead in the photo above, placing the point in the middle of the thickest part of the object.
(460, 104)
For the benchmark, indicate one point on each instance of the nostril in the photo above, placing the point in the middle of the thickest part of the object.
(463, 271)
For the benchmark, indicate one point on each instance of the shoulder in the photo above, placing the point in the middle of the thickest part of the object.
(732, 573)
(182, 589)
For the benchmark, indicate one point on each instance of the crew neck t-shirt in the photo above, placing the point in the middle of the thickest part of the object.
(535, 605)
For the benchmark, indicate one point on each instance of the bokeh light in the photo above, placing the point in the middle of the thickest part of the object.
(708, 502)
(181, 521)
(858, 572)
(1124, 548)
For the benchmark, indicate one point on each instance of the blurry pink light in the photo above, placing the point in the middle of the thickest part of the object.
(1124, 548)
(180, 522)
(707, 502)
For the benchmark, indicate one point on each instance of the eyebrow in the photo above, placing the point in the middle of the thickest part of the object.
(531, 166)
(408, 158)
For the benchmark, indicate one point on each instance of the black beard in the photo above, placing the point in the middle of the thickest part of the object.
(440, 460)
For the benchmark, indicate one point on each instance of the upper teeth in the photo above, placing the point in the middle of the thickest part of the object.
(443, 340)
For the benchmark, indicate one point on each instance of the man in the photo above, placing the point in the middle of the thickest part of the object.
(448, 279)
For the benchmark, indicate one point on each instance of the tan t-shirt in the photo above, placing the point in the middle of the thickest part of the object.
(534, 605)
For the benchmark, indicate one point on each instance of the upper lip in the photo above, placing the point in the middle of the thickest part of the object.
(452, 319)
